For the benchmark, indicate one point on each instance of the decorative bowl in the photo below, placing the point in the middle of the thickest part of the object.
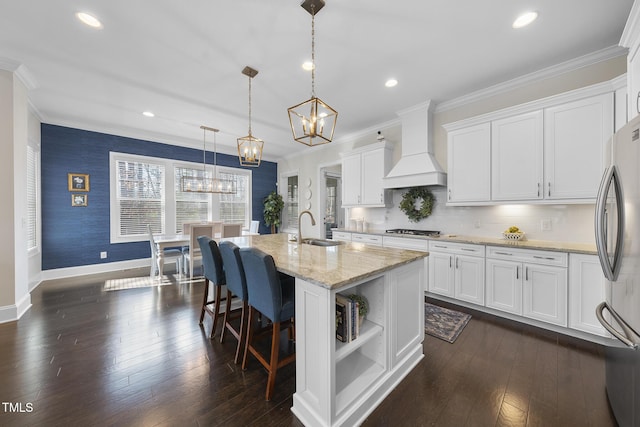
(513, 236)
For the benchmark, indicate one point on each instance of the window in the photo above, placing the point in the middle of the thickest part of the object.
(235, 207)
(190, 207)
(290, 211)
(147, 190)
(32, 197)
(140, 198)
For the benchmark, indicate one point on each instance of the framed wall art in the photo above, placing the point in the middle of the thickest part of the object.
(78, 181)
(79, 199)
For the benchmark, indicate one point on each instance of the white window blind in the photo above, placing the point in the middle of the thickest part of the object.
(32, 198)
(190, 207)
(291, 203)
(235, 208)
(140, 197)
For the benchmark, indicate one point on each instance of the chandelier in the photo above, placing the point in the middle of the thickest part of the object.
(313, 121)
(250, 147)
(204, 184)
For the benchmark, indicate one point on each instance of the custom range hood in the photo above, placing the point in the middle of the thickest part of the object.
(418, 166)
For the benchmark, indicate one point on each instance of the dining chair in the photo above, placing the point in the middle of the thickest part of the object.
(214, 274)
(254, 227)
(192, 255)
(272, 295)
(157, 261)
(236, 286)
(231, 230)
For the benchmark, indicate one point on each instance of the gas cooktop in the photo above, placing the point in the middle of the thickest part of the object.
(414, 232)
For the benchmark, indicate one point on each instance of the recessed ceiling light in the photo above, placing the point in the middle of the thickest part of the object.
(391, 83)
(89, 19)
(148, 114)
(308, 66)
(524, 19)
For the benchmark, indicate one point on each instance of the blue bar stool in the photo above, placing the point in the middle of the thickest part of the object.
(236, 286)
(272, 295)
(214, 273)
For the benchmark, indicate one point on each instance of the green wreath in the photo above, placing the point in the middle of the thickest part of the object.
(408, 203)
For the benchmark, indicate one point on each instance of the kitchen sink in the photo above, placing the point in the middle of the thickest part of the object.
(321, 242)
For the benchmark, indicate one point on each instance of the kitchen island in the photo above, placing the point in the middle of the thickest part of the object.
(339, 384)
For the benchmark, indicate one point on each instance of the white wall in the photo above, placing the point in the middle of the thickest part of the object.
(14, 292)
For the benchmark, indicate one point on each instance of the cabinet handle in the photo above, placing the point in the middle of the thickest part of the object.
(503, 253)
(450, 261)
(517, 272)
(450, 189)
(439, 246)
(381, 198)
(526, 274)
(538, 189)
(468, 250)
(550, 258)
(549, 189)
(457, 259)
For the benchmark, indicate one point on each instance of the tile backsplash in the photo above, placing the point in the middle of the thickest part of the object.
(562, 223)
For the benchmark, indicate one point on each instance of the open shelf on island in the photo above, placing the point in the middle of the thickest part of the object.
(354, 374)
(368, 330)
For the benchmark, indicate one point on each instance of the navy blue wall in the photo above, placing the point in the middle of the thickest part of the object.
(75, 236)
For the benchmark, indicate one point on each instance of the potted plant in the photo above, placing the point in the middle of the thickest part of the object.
(273, 205)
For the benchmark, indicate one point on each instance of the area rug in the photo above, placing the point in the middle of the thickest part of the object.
(444, 323)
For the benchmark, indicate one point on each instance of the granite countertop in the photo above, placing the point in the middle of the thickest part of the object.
(332, 266)
(579, 248)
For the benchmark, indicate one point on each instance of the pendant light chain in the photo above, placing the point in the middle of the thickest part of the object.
(313, 51)
(204, 152)
(250, 105)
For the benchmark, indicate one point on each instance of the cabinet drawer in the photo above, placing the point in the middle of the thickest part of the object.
(456, 248)
(402, 243)
(528, 255)
(369, 239)
(341, 235)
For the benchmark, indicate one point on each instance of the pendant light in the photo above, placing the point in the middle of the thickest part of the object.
(204, 184)
(313, 121)
(250, 147)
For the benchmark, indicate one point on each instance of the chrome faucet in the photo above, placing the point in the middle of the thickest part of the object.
(313, 222)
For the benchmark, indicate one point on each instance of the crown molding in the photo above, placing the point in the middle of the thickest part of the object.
(545, 73)
(21, 71)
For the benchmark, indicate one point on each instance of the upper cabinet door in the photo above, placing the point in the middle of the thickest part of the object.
(351, 180)
(469, 161)
(516, 157)
(373, 171)
(575, 138)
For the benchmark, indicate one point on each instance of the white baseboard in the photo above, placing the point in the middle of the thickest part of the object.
(13, 312)
(62, 273)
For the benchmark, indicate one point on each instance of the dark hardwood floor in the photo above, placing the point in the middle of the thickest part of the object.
(85, 356)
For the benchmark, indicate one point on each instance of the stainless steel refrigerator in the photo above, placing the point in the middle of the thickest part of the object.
(617, 227)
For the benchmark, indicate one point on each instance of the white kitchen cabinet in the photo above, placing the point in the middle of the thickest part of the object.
(551, 150)
(363, 171)
(457, 270)
(516, 157)
(369, 239)
(351, 180)
(575, 137)
(530, 283)
(343, 236)
(587, 288)
(631, 40)
(469, 164)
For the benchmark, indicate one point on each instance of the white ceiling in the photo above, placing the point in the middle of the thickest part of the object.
(183, 59)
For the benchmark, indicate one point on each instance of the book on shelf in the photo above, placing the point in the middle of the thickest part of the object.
(347, 324)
